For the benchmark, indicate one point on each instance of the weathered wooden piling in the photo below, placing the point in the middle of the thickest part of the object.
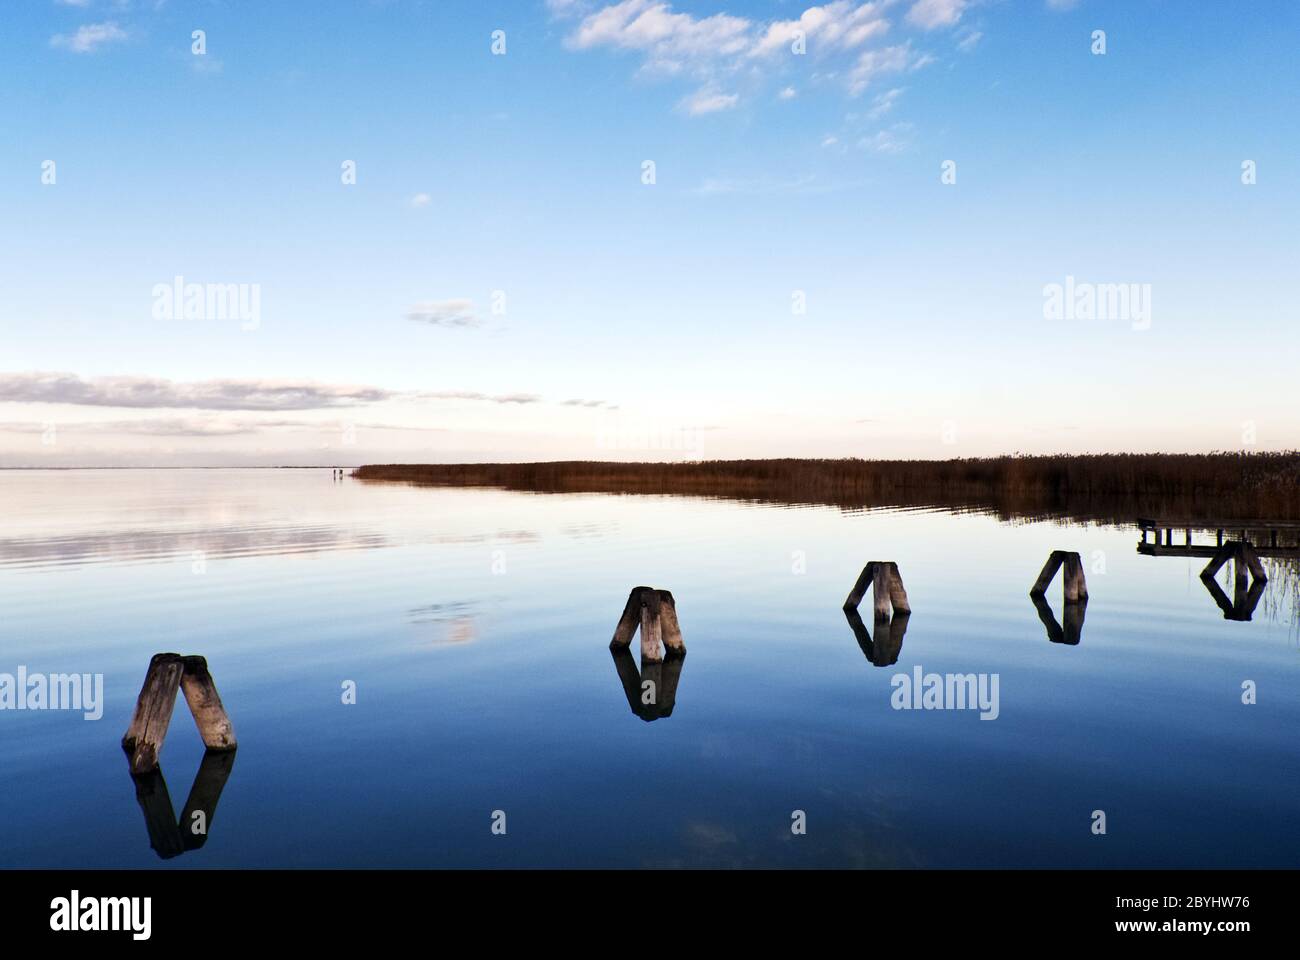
(209, 713)
(886, 588)
(1076, 586)
(153, 712)
(655, 613)
(167, 673)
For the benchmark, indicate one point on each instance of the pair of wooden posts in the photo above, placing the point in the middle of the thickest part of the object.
(1076, 585)
(655, 613)
(153, 709)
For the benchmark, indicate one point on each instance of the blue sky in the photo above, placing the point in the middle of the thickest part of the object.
(500, 283)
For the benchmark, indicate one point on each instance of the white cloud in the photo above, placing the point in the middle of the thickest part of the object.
(882, 103)
(652, 26)
(929, 14)
(725, 52)
(1062, 4)
(88, 37)
(72, 3)
(873, 63)
(157, 393)
(420, 200)
(967, 43)
(444, 313)
(708, 101)
(885, 141)
(838, 24)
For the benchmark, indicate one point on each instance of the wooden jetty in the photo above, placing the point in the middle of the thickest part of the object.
(1167, 537)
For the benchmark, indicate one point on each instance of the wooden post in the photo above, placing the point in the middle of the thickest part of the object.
(153, 712)
(655, 613)
(897, 595)
(886, 587)
(1076, 586)
(651, 627)
(1053, 564)
(867, 576)
(205, 704)
(880, 591)
(629, 621)
(669, 627)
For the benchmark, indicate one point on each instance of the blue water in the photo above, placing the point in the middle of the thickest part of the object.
(475, 625)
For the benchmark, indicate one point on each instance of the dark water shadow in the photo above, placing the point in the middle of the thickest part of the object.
(1242, 606)
(169, 837)
(1072, 631)
(888, 644)
(655, 701)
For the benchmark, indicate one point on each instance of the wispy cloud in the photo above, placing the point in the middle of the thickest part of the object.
(931, 14)
(156, 393)
(510, 398)
(883, 103)
(721, 49)
(89, 37)
(708, 101)
(420, 200)
(444, 313)
(769, 186)
(886, 60)
(211, 426)
(836, 25)
(893, 140)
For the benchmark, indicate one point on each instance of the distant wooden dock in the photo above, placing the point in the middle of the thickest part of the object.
(1164, 537)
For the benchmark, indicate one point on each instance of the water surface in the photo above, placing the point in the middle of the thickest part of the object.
(475, 625)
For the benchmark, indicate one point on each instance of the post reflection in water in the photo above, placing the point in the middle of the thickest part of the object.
(652, 691)
(1247, 569)
(1072, 632)
(169, 837)
(888, 644)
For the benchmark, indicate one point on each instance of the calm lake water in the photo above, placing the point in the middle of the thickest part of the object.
(475, 625)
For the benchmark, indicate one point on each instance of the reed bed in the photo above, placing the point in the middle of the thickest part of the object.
(1106, 487)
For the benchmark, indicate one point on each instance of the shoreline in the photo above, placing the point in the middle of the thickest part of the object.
(1110, 487)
